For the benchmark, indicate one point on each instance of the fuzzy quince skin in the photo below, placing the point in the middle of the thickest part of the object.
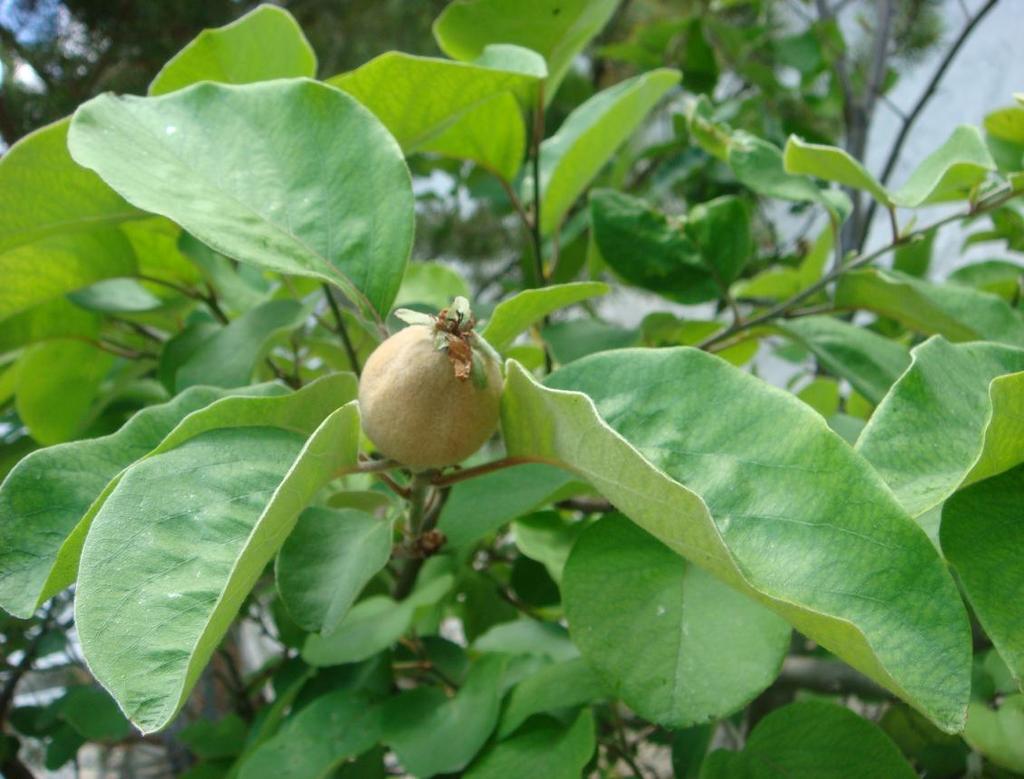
(417, 411)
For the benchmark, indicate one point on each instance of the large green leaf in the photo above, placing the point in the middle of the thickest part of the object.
(948, 173)
(797, 521)
(290, 175)
(56, 384)
(545, 748)
(870, 362)
(553, 687)
(47, 493)
(811, 740)
(953, 310)
(265, 44)
(326, 561)
(313, 743)
(556, 29)
(375, 623)
(516, 314)
(721, 230)
(832, 164)
(180, 541)
(43, 193)
(432, 733)
(228, 358)
(393, 85)
(645, 249)
(491, 134)
(590, 135)
(982, 535)
(955, 417)
(38, 272)
(707, 649)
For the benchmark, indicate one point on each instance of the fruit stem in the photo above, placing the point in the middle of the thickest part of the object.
(417, 503)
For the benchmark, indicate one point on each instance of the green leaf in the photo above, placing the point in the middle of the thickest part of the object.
(721, 230)
(870, 362)
(932, 752)
(431, 284)
(314, 742)
(56, 318)
(556, 29)
(38, 272)
(43, 193)
(214, 740)
(589, 136)
(831, 164)
(998, 277)
(180, 541)
(554, 687)
(491, 134)
(948, 173)
(708, 650)
(579, 337)
(548, 539)
(265, 44)
(1007, 124)
(289, 175)
(432, 733)
(998, 735)
(118, 296)
(229, 357)
(480, 506)
(811, 740)
(326, 561)
(982, 535)
(518, 313)
(955, 417)
(545, 748)
(236, 292)
(914, 257)
(93, 714)
(758, 165)
(646, 250)
(47, 493)
(374, 624)
(846, 565)
(528, 637)
(389, 84)
(57, 383)
(955, 311)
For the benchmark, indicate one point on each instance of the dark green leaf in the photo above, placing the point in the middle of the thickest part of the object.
(982, 535)
(434, 734)
(326, 561)
(811, 740)
(558, 686)
(544, 747)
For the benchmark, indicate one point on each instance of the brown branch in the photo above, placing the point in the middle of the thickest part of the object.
(481, 470)
(827, 676)
(342, 331)
(782, 308)
(922, 101)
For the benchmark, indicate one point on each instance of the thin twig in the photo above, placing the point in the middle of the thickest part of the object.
(538, 136)
(481, 470)
(350, 351)
(922, 101)
(994, 201)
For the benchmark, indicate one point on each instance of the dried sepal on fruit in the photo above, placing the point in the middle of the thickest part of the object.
(430, 394)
